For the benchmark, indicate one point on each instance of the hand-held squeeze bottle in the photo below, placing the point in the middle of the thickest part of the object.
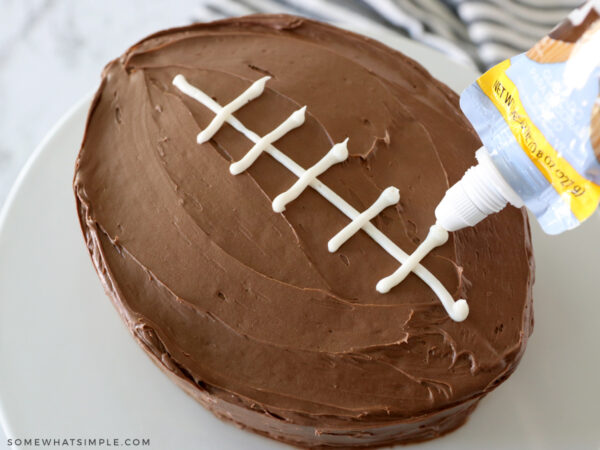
(538, 116)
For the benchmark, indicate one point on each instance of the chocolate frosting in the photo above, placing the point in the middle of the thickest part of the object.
(245, 308)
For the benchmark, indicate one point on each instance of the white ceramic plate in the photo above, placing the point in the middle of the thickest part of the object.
(70, 369)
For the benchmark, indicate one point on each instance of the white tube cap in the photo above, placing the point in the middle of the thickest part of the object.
(481, 192)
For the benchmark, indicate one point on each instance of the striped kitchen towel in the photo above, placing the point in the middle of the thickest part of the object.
(476, 32)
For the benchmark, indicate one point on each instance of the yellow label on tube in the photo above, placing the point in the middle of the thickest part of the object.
(581, 194)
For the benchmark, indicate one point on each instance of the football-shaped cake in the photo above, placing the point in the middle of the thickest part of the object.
(238, 189)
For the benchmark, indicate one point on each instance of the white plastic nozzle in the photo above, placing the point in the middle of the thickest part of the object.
(481, 191)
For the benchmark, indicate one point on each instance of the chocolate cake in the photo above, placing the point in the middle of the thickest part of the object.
(247, 309)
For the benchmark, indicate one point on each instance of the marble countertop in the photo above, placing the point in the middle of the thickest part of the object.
(52, 53)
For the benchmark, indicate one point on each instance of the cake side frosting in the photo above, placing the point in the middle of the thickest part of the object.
(247, 309)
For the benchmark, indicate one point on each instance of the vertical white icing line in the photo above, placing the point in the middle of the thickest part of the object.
(458, 310)
(249, 94)
(390, 196)
(437, 236)
(293, 121)
(337, 154)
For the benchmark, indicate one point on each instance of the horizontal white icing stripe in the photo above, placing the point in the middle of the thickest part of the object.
(454, 309)
(337, 154)
(390, 196)
(437, 236)
(293, 121)
(249, 94)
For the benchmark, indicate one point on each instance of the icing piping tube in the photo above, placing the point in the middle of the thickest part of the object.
(538, 116)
